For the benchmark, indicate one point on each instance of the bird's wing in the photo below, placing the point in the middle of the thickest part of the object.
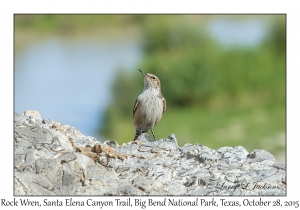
(164, 109)
(135, 106)
(164, 105)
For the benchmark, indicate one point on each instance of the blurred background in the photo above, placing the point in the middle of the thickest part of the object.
(223, 76)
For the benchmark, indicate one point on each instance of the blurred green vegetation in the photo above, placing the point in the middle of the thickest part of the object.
(215, 96)
(35, 27)
(69, 23)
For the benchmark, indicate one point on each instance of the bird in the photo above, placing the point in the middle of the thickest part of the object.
(149, 105)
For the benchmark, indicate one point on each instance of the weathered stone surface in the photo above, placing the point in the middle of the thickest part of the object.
(33, 114)
(55, 159)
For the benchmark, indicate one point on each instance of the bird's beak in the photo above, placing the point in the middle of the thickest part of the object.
(145, 75)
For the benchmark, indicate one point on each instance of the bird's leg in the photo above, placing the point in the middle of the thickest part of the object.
(153, 134)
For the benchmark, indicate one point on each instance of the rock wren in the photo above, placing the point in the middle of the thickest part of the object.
(149, 106)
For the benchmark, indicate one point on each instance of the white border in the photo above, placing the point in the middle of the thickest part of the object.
(8, 8)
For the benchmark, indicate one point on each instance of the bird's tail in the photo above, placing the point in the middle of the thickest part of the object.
(137, 133)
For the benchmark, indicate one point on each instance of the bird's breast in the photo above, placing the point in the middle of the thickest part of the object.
(151, 106)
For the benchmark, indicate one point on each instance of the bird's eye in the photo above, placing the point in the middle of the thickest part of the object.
(152, 77)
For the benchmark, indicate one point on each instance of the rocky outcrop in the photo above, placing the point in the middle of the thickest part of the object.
(55, 159)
